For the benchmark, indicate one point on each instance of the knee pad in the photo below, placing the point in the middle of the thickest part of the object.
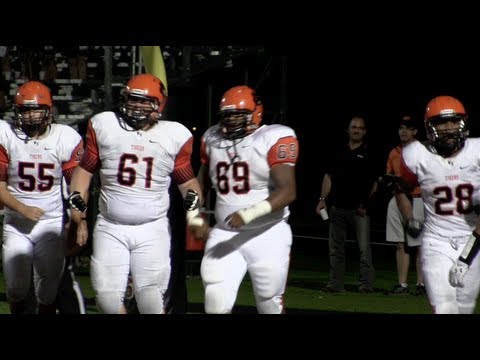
(270, 306)
(149, 300)
(215, 300)
(46, 295)
(215, 295)
(268, 281)
(150, 288)
(210, 274)
(446, 308)
(109, 302)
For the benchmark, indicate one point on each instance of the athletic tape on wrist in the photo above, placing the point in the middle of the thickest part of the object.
(194, 218)
(470, 250)
(254, 212)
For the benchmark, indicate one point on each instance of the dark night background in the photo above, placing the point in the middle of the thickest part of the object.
(328, 84)
(340, 61)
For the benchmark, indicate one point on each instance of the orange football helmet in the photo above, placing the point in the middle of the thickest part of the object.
(33, 108)
(444, 109)
(240, 112)
(143, 89)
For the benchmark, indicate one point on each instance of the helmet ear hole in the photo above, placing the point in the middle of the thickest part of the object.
(163, 90)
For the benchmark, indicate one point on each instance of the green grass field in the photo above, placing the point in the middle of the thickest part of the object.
(307, 278)
(309, 275)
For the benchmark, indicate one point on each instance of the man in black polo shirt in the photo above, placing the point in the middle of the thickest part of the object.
(349, 182)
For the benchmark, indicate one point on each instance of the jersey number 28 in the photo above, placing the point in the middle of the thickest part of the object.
(461, 195)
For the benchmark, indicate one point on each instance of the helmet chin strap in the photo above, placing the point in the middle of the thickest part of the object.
(140, 124)
(237, 130)
(34, 130)
(32, 133)
(445, 150)
(440, 139)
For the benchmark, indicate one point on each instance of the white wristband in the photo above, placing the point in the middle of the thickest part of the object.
(194, 218)
(253, 212)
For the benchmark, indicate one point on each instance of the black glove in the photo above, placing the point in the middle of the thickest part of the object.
(388, 181)
(403, 186)
(191, 201)
(414, 228)
(76, 202)
(396, 184)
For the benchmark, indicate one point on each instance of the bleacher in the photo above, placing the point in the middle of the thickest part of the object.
(75, 76)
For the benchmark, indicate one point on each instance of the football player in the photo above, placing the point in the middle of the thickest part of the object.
(447, 170)
(137, 154)
(35, 155)
(252, 168)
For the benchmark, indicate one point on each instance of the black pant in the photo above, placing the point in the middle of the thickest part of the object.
(342, 220)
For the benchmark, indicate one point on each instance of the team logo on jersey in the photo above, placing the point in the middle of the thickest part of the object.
(452, 177)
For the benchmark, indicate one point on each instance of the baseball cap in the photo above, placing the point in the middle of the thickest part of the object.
(408, 121)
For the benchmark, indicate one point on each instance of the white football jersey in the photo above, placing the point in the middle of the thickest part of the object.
(136, 167)
(35, 167)
(447, 187)
(240, 169)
